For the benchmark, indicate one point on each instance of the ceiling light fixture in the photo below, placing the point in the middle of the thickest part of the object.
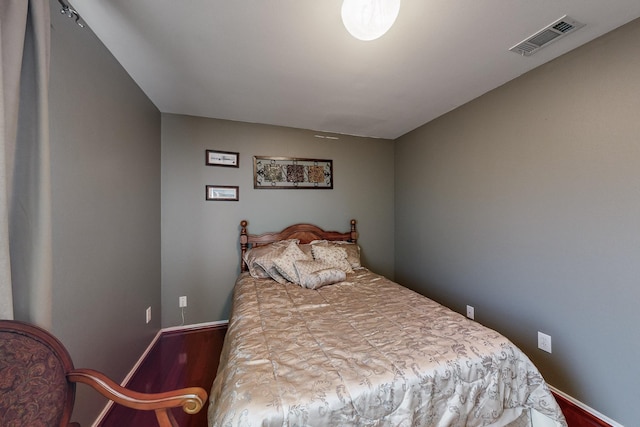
(369, 19)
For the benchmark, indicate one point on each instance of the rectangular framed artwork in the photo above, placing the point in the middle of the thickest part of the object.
(222, 193)
(223, 158)
(292, 173)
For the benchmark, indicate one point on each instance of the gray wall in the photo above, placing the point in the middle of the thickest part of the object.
(105, 140)
(200, 247)
(525, 204)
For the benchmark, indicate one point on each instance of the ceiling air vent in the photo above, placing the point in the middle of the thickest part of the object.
(554, 31)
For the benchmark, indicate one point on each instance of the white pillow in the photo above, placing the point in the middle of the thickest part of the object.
(263, 252)
(266, 262)
(334, 256)
(353, 250)
(316, 274)
(284, 262)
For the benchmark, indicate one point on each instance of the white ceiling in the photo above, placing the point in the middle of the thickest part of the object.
(292, 63)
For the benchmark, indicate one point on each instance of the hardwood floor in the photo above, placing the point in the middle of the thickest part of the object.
(190, 358)
(178, 359)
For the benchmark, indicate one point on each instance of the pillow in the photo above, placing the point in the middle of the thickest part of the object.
(334, 256)
(266, 262)
(306, 248)
(316, 274)
(353, 250)
(251, 255)
(284, 262)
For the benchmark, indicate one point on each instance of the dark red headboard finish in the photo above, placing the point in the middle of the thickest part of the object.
(304, 232)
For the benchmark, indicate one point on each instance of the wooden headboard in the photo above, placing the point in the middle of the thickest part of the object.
(304, 232)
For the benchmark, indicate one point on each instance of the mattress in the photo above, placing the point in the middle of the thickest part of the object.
(366, 352)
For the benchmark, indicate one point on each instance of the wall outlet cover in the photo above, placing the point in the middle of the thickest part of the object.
(544, 342)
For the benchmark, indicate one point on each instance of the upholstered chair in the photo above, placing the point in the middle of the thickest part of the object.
(37, 383)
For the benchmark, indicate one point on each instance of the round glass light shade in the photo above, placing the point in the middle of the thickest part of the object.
(369, 19)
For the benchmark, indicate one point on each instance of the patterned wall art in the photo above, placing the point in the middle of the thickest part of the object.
(289, 172)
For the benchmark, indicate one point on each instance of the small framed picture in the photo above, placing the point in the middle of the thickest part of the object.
(222, 192)
(223, 158)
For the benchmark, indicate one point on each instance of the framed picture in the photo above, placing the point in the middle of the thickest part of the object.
(223, 158)
(222, 192)
(289, 172)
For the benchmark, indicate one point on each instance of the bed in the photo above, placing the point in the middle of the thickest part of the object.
(338, 345)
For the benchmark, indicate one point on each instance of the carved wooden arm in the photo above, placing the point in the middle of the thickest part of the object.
(191, 399)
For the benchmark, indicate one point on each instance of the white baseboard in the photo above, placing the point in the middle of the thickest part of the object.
(194, 326)
(585, 407)
(133, 370)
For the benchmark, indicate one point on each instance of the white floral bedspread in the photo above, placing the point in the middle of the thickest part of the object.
(366, 352)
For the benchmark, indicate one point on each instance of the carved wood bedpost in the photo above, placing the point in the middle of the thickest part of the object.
(243, 244)
(354, 233)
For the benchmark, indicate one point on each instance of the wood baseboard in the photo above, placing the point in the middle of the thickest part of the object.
(181, 357)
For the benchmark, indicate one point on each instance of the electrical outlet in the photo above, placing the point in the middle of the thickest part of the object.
(544, 342)
(148, 314)
(470, 312)
(182, 301)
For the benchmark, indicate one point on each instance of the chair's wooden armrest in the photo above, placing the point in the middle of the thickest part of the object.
(191, 399)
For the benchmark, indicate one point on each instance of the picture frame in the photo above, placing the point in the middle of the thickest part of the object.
(292, 173)
(222, 158)
(228, 193)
